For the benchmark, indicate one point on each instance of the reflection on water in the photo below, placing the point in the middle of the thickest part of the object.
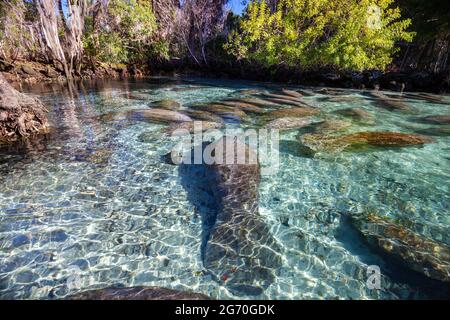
(94, 196)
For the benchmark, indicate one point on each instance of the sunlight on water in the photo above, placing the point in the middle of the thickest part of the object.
(95, 198)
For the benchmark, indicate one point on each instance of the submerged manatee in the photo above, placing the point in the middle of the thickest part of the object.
(246, 107)
(240, 249)
(332, 125)
(202, 115)
(413, 250)
(155, 115)
(137, 293)
(292, 93)
(158, 115)
(225, 112)
(392, 104)
(292, 112)
(180, 128)
(357, 114)
(288, 123)
(361, 141)
(436, 119)
(440, 131)
(168, 104)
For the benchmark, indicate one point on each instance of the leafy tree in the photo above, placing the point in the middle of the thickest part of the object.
(349, 34)
(126, 36)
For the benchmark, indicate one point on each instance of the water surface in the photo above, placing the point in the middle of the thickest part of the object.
(94, 198)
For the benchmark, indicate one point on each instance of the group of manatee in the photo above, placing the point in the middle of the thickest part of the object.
(239, 249)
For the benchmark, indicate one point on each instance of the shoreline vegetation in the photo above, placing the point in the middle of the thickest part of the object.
(397, 45)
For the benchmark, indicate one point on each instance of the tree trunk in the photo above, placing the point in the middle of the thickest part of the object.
(49, 33)
(20, 115)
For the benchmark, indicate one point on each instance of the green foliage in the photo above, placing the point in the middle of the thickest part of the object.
(128, 35)
(348, 34)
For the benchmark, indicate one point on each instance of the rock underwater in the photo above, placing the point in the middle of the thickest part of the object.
(137, 293)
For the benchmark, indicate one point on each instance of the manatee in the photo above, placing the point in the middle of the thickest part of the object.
(259, 102)
(294, 100)
(137, 293)
(185, 89)
(246, 107)
(112, 116)
(427, 97)
(168, 104)
(292, 112)
(356, 114)
(421, 254)
(226, 112)
(190, 126)
(391, 104)
(292, 93)
(361, 141)
(330, 91)
(332, 126)
(202, 115)
(250, 91)
(295, 148)
(342, 99)
(283, 102)
(436, 119)
(288, 123)
(240, 249)
(307, 93)
(158, 115)
(136, 96)
(283, 97)
(435, 131)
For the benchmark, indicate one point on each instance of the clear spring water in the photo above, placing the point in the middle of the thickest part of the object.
(94, 199)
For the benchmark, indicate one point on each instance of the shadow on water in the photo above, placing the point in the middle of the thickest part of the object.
(352, 240)
(195, 181)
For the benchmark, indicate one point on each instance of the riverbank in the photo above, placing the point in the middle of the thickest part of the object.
(412, 81)
(32, 72)
(405, 80)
